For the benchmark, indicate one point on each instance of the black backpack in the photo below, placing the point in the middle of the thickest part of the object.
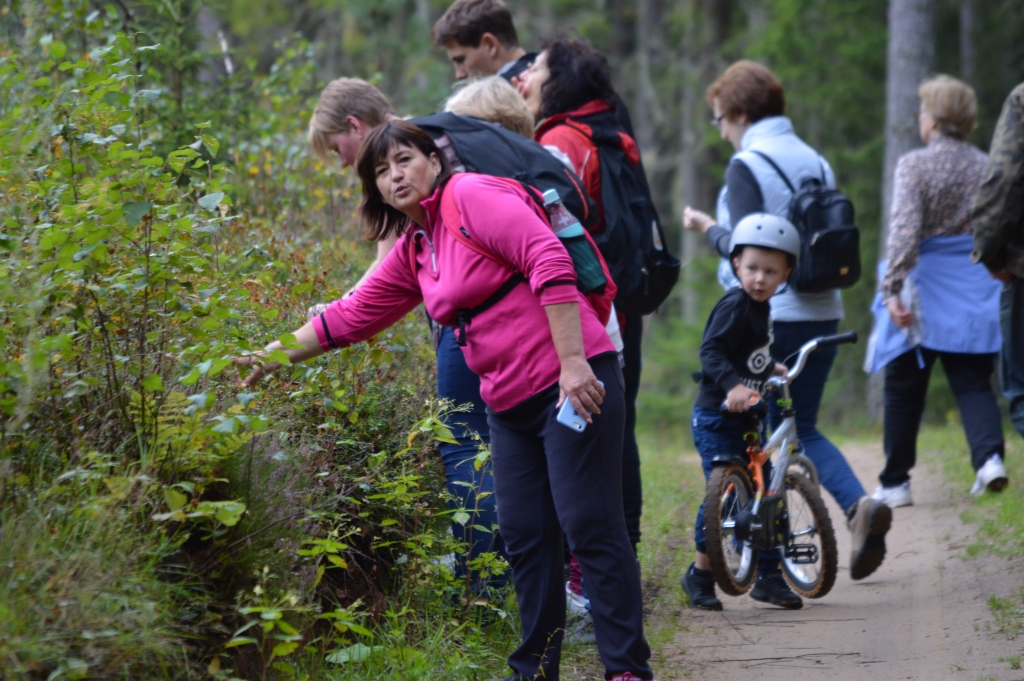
(829, 238)
(632, 242)
(490, 149)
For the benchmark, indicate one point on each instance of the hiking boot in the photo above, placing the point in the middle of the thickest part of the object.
(699, 587)
(991, 476)
(894, 497)
(772, 588)
(868, 526)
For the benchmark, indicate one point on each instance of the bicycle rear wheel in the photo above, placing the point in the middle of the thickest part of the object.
(733, 563)
(813, 561)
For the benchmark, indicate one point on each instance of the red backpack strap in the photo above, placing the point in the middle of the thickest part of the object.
(451, 216)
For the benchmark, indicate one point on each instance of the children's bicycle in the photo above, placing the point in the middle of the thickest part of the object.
(743, 516)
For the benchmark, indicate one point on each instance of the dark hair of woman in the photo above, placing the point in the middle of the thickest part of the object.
(380, 220)
(578, 74)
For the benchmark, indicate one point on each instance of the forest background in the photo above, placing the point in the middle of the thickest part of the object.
(161, 212)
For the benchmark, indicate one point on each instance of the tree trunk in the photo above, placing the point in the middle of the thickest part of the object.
(967, 58)
(645, 106)
(910, 56)
(687, 187)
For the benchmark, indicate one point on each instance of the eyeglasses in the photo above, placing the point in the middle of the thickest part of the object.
(716, 121)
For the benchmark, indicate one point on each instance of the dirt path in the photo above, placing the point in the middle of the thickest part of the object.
(922, 615)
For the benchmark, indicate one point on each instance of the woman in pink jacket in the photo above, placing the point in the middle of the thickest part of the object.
(539, 344)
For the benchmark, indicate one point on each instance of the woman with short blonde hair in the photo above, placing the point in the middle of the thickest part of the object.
(951, 103)
(493, 99)
(940, 305)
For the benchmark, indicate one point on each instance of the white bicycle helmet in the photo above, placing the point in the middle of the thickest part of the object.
(767, 231)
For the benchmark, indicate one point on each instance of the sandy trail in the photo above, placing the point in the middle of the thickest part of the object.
(922, 615)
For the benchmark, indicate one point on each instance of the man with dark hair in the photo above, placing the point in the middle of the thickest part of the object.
(998, 219)
(481, 40)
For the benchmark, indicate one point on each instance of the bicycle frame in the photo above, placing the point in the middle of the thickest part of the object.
(784, 439)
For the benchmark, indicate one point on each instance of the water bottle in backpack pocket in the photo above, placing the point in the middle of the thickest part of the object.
(589, 273)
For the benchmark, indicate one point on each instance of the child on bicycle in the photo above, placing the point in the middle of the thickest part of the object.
(736, 362)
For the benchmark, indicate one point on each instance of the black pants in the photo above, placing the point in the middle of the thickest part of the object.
(906, 384)
(632, 490)
(547, 478)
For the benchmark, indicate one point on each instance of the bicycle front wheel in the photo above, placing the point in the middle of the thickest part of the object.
(811, 559)
(733, 563)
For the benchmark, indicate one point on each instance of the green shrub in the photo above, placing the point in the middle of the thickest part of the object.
(155, 519)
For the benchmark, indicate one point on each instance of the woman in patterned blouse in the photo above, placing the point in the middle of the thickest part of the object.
(936, 295)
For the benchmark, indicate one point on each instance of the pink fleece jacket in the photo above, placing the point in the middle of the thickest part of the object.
(509, 345)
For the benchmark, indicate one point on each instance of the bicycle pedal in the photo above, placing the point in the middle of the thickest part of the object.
(802, 555)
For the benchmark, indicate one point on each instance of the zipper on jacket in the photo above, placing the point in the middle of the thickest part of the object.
(433, 258)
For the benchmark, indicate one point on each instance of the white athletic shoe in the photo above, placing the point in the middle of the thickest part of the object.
(894, 497)
(579, 623)
(576, 603)
(991, 476)
(580, 628)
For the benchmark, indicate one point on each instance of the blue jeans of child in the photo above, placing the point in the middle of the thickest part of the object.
(457, 383)
(806, 391)
(717, 434)
(1011, 360)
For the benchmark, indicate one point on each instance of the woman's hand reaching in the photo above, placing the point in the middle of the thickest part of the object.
(305, 347)
(579, 384)
(261, 367)
(697, 221)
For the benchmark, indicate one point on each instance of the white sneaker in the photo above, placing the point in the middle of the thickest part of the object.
(894, 497)
(991, 476)
(579, 624)
(576, 603)
(580, 628)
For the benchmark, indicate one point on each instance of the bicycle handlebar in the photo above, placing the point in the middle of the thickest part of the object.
(806, 349)
(839, 339)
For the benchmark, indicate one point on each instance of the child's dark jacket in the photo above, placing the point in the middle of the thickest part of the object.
(735, 349)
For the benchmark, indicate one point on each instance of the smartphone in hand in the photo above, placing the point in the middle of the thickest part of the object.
(569, 418)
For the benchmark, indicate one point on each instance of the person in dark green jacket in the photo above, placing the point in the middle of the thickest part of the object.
(999, 242)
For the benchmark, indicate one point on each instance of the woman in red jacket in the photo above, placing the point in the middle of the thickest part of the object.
(536, 346)
(568, 85)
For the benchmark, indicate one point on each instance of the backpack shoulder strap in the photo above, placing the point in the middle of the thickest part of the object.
(777, 169)
(451, 216)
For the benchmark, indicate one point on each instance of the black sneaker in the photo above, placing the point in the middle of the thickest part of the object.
(772, 588)
(699, 587)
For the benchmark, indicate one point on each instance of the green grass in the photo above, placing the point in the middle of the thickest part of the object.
(999, 518)
(673, 489)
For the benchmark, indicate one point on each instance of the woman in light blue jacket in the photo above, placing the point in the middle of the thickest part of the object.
(748, 103)
(934, 303)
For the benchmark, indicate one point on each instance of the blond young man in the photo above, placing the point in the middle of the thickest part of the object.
(350, 109)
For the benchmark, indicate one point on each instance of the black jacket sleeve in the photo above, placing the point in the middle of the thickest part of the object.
(723, 335)
(718, 239)
(744, 192)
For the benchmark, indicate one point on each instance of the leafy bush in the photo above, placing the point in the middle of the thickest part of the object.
(156, 521)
